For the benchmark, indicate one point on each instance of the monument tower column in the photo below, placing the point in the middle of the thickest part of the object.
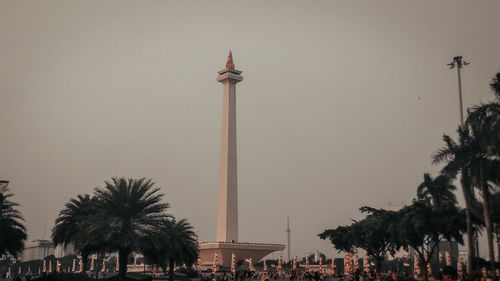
(227, 242)
(227, 216)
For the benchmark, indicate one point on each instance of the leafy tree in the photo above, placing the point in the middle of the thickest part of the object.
(340, 237)
(376, 234)
(420, 226)
(12, 230)
(174, 243)
(132, 210)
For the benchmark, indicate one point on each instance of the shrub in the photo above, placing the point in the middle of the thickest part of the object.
(81, 277)
(63, 277)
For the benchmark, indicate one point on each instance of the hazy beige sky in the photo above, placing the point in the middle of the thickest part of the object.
(342, 103)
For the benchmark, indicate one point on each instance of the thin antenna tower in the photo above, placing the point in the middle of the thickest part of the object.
(288, 256)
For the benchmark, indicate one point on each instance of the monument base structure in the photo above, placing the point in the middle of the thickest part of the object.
(242, 250)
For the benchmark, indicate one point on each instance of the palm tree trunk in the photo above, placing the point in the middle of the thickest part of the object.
(123, 260)
(468, 219)
(171, 270)
(498, 249)
(97, 267)
(498, 243)
(85, 260)
(378, 266)
(423, 267)
(437, 251)
(449, 246)
(487, 217)
(470, 240)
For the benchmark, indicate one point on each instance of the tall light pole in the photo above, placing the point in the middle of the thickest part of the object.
(459, 63)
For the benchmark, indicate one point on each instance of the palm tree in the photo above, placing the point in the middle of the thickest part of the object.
(470, 156)
(488, 175)
(12, 230)
(455, 155)
(132, 210)
(436, 192)
(174, 243)
(183, 244)
(72, 227)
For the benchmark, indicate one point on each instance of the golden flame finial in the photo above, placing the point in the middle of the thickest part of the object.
(230, 63)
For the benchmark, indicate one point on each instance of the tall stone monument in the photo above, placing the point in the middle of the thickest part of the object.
(227, 242)
(227, 216)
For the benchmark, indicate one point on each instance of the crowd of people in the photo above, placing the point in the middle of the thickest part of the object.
(292, 275)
